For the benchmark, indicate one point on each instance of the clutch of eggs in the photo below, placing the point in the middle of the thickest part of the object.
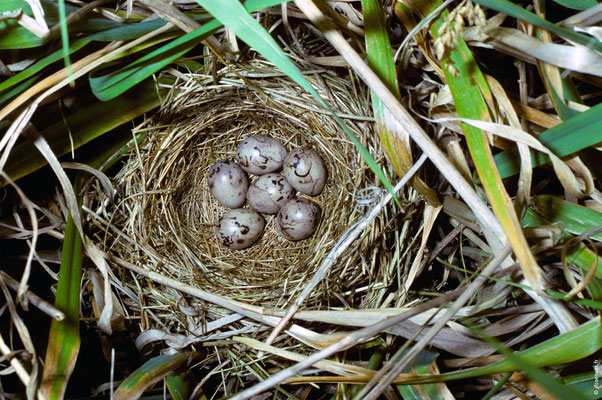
(270, 193)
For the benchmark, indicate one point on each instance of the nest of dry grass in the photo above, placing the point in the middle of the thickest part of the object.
(168, 213)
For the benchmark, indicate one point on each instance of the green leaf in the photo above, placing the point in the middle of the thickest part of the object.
(234, 16)
(148, 375)
(64, 34)
(574, 218)
(14, 36)
(37, 66)
(470, 91)
(64, 340)
(533, 372)
(577, 4)
(111, 85)
(108, 86)
(568, 347)
(394, 141)
(577, 133)
(421, 365)
(579, 254)
(181, 386)
(585, 383)
(84, 125)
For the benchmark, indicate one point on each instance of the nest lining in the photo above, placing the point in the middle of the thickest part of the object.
(166, 205)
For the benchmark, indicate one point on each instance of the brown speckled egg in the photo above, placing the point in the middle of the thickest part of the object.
(305, 171)
(269, 192)
(298, 219)
(228, 183)
(239, 228)
(260, 154)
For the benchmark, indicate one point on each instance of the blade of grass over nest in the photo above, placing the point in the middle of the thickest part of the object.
(394, 139)
(85, 126)
(64, 339)
(487, 221)
(568, 347)
(109, 86)
(518, 12)
(572, 217)
(148, 374)
(577, 133)
(235, 17)
(468, 90)
(64, 35)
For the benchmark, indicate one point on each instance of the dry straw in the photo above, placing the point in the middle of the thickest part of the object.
(165, 207)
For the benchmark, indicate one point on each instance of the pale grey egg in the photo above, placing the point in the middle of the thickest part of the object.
(228, 183)
(239, 228)
(260, 154)
(269, 192)
(305, 171)
(298, 219)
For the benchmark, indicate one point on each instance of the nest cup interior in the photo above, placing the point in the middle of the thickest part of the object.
(177, 215)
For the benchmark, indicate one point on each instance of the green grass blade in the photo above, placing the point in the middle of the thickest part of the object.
(577, 133)
(181, 386)
(536, 374)
(574, 218)
(14, 36)
(148, 375)
(577, 4)
(85, 125)
(395, 143)
(64, 340)
(518, 12)
(468, 90)
(586, 383)
(579, 254)
(39, 65)
(64, 35)
(111, 85)
(233, 15)
(421, 365)
(568, 347)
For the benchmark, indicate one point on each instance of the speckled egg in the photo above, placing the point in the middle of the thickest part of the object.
(228, 183)
(298, 219)
(269, 192)
(260, 154)
(239, 228)
(305, 171)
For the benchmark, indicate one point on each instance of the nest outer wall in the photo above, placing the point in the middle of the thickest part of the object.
(166, 205)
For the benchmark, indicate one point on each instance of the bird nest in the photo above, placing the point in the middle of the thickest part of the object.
(169, 214)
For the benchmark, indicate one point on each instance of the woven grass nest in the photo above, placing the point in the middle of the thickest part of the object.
(167, 210)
